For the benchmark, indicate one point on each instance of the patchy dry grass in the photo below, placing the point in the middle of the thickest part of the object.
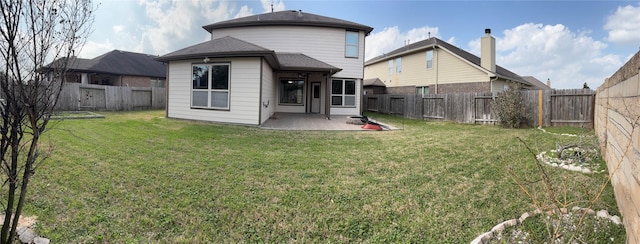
(138, 177)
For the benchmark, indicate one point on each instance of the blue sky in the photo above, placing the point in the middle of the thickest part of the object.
(568, 42)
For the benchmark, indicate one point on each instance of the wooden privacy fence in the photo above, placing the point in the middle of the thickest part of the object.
(546, 108)
(75, 96)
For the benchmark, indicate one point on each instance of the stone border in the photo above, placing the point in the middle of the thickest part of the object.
(564, 164)
(487, 236)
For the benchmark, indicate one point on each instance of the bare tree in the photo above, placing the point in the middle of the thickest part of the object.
(32, 34)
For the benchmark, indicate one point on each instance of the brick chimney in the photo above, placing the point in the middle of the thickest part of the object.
(488, 51)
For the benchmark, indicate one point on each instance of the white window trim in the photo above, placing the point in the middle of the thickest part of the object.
(399, 65)
(427, 59)
(209, 89)
(343, 95)
(347, 44)
(391, 70)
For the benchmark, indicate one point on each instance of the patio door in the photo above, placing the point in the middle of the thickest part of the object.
(315, 97)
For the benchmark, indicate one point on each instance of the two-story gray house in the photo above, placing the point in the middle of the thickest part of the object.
(255, 66)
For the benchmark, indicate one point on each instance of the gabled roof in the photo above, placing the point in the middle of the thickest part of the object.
(301, 62)
(435, 42)
(119, 63)
(228, 46)
(373, 82)
(221, 47)
(537, 84)
(289, 17)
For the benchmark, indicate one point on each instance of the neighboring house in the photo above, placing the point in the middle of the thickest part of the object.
(537, 84)
(434, 66)
(255, 66)
(373, 86)
(118, 68)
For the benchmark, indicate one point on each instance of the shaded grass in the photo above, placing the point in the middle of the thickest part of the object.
(138, 177)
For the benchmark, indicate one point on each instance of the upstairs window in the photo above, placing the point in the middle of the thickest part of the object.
(210, 88)
(399, 65)
(429, 59)
(391, 67)
(351, 45)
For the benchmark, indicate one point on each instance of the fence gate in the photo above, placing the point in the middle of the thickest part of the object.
(92, 98)
(482, 109)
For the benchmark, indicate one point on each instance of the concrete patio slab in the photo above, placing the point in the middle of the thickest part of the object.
(294, 121)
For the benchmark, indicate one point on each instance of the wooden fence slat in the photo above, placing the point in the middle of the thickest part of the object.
(559, 107)
(75, 96)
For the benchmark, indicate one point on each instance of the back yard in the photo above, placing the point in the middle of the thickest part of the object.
(138, 177)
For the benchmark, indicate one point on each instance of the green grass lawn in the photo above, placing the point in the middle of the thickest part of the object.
(139, 177)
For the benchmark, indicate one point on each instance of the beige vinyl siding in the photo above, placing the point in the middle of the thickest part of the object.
(268, 93)
(452, 69)
(244, 86)
(378, 70)
(322, 43)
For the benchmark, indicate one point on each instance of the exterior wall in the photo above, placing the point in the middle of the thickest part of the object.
(464, 87)
(617, 125)
(401, 90)
(322, 43)
(244, 90)
(136, 81)
(268, 96)
(447, 69)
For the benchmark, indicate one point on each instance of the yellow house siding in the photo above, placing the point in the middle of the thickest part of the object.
(452, 69)
(447, 69)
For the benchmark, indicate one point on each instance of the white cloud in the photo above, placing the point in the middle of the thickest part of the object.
(243, 12)
(93, 49)
(118, 28)
(624, 25)
(390, 38)
(278, 5)
(553, 51)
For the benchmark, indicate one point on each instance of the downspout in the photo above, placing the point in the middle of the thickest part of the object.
(491, 80)
(435, 53)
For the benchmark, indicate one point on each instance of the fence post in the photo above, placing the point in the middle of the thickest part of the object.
(540, 108)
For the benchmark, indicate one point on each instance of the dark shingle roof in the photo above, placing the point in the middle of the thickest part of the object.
(301, 62)
(118, 63)
(288, 17)
(221, 47)
(232, 47)
(373, 82)
(424, 44)
(537, 84)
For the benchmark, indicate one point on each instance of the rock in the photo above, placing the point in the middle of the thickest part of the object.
(616, 220)
(40, 240)
(498, 228)
(523, 217)
(603, 214)
(27, 235)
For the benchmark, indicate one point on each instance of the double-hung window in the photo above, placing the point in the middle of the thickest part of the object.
(422, 90)
(351, 45)
(391, 67)
(429, 59)
(210, 88)
(343, 93)
(398, 65)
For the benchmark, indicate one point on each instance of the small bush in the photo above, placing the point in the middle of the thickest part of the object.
(509, 106)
